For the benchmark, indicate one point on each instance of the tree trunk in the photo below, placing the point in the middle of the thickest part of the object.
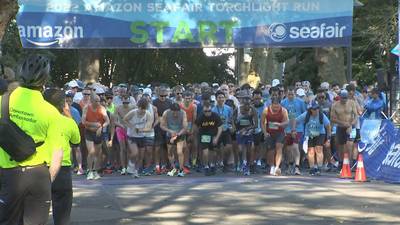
(266, 65)
(331, 65)
(8, 10)
(89, 65)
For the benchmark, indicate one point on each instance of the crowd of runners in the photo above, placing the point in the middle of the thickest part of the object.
(142, 130)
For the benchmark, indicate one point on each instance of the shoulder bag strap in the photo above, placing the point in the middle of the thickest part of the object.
(5, 100)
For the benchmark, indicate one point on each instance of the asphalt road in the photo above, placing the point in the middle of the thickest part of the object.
(230, 199)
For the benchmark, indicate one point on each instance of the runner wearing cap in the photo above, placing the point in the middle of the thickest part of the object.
(344, 114)
(121, 131)
(273, 120)
(295, 107)
(174, 123)
(246, 121)
(316, 128)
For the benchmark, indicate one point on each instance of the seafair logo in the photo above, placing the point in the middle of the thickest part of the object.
(279, 31)
(44, 36)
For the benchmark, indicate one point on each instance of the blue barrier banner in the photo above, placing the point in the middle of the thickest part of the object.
(374, 153)
(184, 24)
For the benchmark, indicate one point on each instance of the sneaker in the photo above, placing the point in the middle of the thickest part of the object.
(172, 172)
(272, 171)
(96, 175)
(318, 171)
(246, 171)
(277, 171)
(129, 170)
(158, 170)
(207, 171)
(181, 173)
(80, 172)
(123, 171)
(297, 171)
(312, 171)
(90, 176)
(213, 170)
(135, 174)
(186, 170)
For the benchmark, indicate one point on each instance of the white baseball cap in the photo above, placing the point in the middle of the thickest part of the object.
(325, 85)
(300, 92)
(147, 91)
(73, 84)
(275, 82)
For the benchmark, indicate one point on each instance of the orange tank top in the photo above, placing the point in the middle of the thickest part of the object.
(94, 116)
(189, 111)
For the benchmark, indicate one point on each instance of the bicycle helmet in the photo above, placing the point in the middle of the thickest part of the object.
(35, 71)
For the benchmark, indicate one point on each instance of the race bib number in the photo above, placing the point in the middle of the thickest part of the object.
(314, 134)
(205, 139)
(244, 122)
(273, 126)
(353, 133)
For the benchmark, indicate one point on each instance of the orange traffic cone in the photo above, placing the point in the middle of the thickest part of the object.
(360, 172)
(346, 172)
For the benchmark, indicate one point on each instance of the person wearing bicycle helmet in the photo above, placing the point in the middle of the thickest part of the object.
(25, 196)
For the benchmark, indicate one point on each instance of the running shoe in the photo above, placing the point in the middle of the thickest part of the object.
(246, 171)
(96, 175)
(213, 170)
(90, 176)
(297, 171)
(172, 172)
(123, 171)
(318, 171)
(277, 171)
(312, 171)
(207, 171)
(129, 170)
(181, 173)
(135, 174)
(186, 170)
(272, 171)
(158, 170)
(80, 172)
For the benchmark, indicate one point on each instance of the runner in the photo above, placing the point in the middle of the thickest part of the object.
(210, 129)
(295, 107)
(94, 119)
(140, 127)
(325, 107)
(317, 132)
(162, 103)
(226, 115)
(245, 118)
(344, 114)
(174, 123)
(61, 188)
(190, 109)
(273, 120)
(121, 131)
(86, 97)
(258, 134)
(150, 135)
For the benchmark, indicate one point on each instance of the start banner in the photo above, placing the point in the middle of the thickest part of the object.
(184, 24)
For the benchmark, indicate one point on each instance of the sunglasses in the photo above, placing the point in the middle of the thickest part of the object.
(109, 98)
(163, 96)
(207, 111)
(179, 93)
(86, 94)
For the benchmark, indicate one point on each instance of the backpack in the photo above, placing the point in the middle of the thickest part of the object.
(13, 140)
